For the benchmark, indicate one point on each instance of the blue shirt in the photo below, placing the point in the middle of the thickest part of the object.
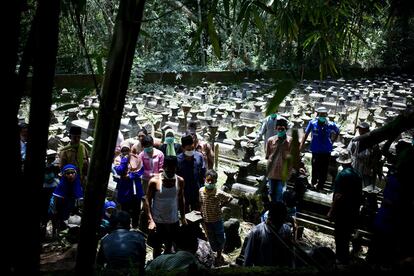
(193, 171)
(126, 190)
(321, 136)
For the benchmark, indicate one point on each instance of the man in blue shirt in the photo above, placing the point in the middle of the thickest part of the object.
(192, 168)
(324, 133)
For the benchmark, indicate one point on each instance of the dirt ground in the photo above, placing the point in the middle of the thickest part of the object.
(59, 254)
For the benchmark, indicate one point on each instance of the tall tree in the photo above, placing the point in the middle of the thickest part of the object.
(11, 30)
(25, 249)
(127, 27)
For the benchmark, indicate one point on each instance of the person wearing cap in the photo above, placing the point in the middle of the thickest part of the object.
(366, 162)
(278, 149)
(346, 202)
(324, 133)
(75, 153)
(191, 167)
(267, 129)
(270, 243)
(129, 189)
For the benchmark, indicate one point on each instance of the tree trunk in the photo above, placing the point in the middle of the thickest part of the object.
(201, 38)
(127, 27)
(10, 30)
(391, 130)
(44, 63)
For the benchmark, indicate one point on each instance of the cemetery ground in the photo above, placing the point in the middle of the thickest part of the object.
(59, 254)
(230, 116)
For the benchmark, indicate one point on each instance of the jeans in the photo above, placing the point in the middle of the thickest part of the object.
(276, 189)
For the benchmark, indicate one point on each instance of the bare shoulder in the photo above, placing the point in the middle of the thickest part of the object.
(180, 180)
(154, 182)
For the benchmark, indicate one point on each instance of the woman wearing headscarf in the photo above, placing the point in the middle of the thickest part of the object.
(129, 189)
(66, 195)
(170, 147)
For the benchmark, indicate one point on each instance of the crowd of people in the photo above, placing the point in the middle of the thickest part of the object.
(158, 183)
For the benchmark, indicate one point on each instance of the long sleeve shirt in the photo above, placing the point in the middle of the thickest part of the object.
(152, 164)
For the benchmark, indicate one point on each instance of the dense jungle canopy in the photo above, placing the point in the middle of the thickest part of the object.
(124, 39)
(240, 34)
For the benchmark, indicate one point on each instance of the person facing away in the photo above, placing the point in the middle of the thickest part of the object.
(122, 250)
(267, 129)
(164, 201)
(367, 161)
(324, 133)
(184, 258)
(346, 202)
(211, 201)
(169, 147)
(129, 188)
(75, 153)
(278, 148)
(270, 242)
(192, 168)
(66, 196)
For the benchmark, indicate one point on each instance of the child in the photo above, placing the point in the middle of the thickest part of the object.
(211, 201)
(109, 210)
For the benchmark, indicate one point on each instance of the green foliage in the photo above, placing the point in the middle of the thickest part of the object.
(328, 36)
(283, 88)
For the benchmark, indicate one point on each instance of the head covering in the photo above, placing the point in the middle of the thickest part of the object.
(170, 150)
(168, 131)
(69, 191)
(322, 109)
(344, 157)
(125, 144)
(75, 130)
(187, 140)
(110, 205)
(364, 125)
(65, 188)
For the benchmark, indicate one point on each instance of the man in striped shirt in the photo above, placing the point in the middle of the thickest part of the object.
(211, 201)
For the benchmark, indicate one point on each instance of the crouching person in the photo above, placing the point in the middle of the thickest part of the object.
(122, 251)
(66, 197)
